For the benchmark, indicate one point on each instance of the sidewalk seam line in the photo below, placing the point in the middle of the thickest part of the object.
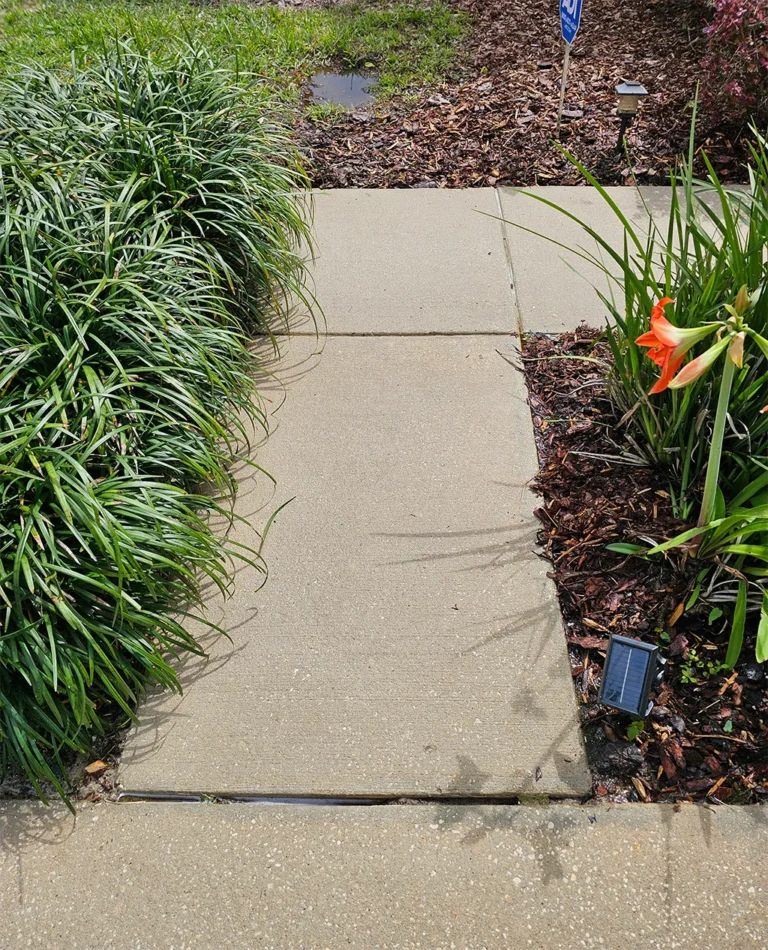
(510, 265)
(401, 334)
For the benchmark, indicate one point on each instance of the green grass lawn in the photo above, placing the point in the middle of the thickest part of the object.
(409, 43)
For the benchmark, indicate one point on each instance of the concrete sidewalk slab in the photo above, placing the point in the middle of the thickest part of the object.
(408, 642)
(241, 877)
(553, 287)
(412, 261)
(551, 297)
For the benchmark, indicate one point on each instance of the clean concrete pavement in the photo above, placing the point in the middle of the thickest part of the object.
(389, 877)
(408, 642)
(412, 262)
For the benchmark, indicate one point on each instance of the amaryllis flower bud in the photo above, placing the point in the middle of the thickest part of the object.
(696, 368)
(742, 301)
(736, 349)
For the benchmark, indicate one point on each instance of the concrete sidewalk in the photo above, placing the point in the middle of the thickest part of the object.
(408, 877)
(432, 261)
(410, 262)
(408, 642)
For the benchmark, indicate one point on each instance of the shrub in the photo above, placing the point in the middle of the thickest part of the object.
(147, 222)
(199, 147)
(736, 62)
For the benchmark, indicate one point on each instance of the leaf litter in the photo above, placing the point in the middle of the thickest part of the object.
(493, 122)
(706, 738)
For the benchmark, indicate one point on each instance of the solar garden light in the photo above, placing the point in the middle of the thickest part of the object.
(630, 94)
(631, 669)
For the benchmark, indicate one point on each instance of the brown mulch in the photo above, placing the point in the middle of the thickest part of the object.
(495, 122)
(706, 739)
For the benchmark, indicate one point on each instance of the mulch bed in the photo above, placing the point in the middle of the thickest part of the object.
(494, 123)
(704, 740)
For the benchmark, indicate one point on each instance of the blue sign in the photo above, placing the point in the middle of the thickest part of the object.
(570, 17)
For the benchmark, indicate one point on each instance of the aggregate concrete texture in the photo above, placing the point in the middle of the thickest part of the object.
(408, 641)
(424, 261)
(426, 877)
(553, 285)
(412, 261)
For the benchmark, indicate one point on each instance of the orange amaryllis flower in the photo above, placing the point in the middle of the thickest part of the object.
(669, 344)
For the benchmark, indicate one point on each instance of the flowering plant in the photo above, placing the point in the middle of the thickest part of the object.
(734, 533)
(688, 331)
(668, 346)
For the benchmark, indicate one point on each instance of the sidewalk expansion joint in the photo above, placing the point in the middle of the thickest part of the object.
(199, 798)
(397, 333)
(510, 263)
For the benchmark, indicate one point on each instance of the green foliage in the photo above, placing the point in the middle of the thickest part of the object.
(710, 246)
(147, 224)
(622, 548)
(696, 667)
(408, 43)
(192, 146)
(636, 729)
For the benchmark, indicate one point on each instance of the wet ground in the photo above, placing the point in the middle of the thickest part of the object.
(342, 89)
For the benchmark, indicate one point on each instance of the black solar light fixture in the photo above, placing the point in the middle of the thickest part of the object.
(630, 94)
(631, 669)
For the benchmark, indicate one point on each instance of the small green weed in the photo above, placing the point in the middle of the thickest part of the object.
(697, 667)
(636, 729)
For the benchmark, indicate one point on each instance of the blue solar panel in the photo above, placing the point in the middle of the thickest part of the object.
(624, 677)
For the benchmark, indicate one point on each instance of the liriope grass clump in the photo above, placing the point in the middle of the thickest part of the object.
(148, 223)
(198, 148)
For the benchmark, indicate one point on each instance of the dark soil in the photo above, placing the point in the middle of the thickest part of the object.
(706, 739)
(494, 123)
(85, 778)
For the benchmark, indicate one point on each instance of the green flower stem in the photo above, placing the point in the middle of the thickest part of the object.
(716, 448)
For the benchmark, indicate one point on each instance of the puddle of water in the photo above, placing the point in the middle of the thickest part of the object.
(342, 89)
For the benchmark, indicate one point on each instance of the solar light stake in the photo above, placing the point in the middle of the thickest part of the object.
(631, 669)
(624, 123)
(630, 94)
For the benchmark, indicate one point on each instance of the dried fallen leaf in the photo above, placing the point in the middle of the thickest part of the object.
(640, 788)
(96, 768)
(595, 625)
(668, 762)
(589, 643)
(677, 613)
(717, 785)
(731, 679)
